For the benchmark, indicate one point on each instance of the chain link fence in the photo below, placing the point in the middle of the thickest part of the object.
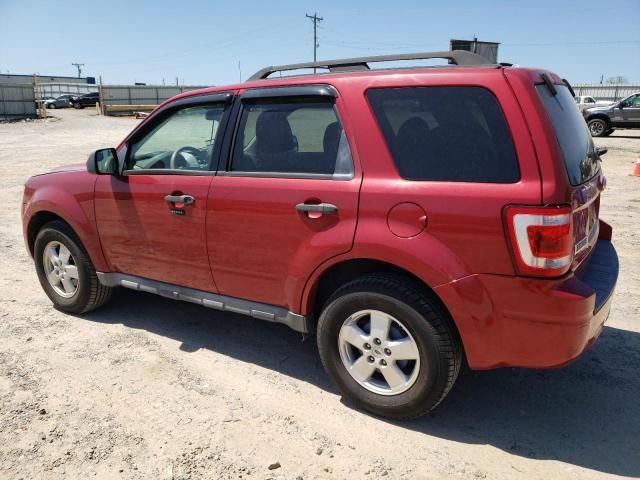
(606, 92)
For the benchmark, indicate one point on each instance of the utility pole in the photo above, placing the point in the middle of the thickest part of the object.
(315, 19)
(79, 67)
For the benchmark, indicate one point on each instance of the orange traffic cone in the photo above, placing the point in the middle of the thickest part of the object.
(636, 168)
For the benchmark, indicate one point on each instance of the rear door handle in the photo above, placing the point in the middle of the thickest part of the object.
(322, 208)
(184, 199)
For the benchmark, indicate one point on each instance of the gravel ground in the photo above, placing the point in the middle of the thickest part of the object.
(150, 388)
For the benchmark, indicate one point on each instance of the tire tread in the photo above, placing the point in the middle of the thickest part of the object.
(98, 294)
(405, 290)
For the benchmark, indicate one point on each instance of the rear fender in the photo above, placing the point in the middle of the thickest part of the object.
(429, 261)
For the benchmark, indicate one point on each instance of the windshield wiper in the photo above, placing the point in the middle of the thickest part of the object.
(549, 84)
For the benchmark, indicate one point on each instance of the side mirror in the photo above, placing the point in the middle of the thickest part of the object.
(103, 162)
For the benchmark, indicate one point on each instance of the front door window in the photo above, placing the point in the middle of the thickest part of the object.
(183, 141)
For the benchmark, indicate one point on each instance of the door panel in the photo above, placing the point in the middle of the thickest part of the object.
(261, 247)
(144, 233)
(140, 234)
(266, 230)
(631, 117)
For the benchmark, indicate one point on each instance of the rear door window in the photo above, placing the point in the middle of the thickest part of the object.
(572, 133)
(455, 134)
(290, 137)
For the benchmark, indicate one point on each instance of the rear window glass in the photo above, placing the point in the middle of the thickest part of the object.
(455, 134)
(572, 133)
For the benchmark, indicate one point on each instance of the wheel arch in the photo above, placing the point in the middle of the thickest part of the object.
(36, 222)
(599, 116)
(83, 228)
(342, 272)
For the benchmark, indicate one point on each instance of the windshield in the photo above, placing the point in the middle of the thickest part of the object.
(572, 133)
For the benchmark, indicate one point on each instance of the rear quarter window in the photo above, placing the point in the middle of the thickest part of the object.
(456, 134)
(571, 132)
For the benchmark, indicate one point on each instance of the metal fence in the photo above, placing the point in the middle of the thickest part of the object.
(606, 92)
(56, 89)
(17, 101)
(140, 94)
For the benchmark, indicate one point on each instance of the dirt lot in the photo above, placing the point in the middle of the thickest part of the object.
(150, 388)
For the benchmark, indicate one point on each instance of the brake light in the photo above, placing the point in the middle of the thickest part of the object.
(542, 239)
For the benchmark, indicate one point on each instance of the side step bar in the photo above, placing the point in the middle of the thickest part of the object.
(261, 311)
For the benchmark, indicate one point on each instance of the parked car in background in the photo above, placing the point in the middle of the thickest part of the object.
(412, 219)
(63, 101)
(86, 100)
(603, 120)
(586, 101)
(44, 100)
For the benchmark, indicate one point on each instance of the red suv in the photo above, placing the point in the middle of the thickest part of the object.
(410, 218)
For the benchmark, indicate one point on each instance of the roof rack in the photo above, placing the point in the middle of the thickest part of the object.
(457, 57)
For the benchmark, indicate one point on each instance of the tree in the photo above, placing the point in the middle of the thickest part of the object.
(616, 80)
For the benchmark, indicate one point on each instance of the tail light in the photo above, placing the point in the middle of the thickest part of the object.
(542, 239)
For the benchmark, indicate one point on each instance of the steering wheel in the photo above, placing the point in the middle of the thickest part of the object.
(173, 163)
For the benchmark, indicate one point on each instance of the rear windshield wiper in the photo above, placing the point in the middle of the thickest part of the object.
(549, 84)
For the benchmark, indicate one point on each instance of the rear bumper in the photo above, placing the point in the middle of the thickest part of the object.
(528, 322)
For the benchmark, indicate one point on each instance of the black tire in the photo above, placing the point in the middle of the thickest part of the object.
(77, 106)
(437, 340)
(90, 293)
(51, 106)
(609, 132)
(598, 127)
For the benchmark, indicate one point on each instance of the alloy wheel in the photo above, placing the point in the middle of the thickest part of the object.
(596, 128)
(379, 352)
(60, 269)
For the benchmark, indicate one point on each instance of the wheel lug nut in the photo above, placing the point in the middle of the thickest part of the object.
(387, 351)
(370, 359)
(367, 346)
(377, 341)
(383, 362)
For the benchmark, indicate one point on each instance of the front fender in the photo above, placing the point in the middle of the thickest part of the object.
(69, 197)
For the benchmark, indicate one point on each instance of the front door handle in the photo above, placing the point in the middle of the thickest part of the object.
(184, 199)
(321, 208)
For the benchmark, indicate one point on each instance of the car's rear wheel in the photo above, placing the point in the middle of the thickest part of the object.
(597, 127)
(77, 105)
(609, 132)
(388, 346)
(51, 105)
(65, 270)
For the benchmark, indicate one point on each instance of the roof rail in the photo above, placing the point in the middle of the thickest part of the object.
(458, 57)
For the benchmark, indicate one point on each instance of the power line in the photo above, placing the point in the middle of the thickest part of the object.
(79, 67)
(315, 19)
(382, 47)
(553, 44)
(208, 47)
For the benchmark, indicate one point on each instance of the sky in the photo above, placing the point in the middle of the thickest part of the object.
(215, 43)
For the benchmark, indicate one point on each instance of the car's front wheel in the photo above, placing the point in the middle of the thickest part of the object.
(65, 270)
(598, 127)
(77, 105)
(51, 105)
(388, 346)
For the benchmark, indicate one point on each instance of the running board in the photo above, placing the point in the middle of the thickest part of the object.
(261, 311)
